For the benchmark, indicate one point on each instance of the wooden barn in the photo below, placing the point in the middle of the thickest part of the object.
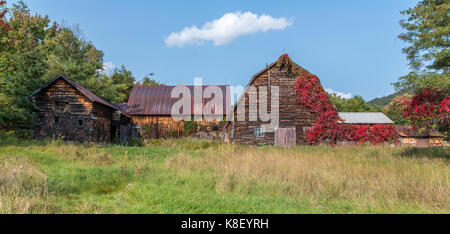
(293, 120)
(409, 137)
(150, 109)
(68, 110)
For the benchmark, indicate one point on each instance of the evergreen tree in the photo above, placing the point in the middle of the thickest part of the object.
(427, 33)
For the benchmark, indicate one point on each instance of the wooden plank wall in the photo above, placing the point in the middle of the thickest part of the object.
(291, 114)
(61, 110)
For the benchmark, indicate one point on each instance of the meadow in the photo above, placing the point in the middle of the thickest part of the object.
(203, 177)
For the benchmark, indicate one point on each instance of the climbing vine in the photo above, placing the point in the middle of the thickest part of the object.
(310, 94)
(444, 112)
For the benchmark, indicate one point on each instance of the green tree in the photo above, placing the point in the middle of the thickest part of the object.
(396, 109)
(148, 81)
(71, 56)
(22, 65)
(354, 104)
(34, 51)
(427, 33)
(115, 88)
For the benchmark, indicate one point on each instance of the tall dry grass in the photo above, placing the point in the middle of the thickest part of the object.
(23, 188)
(368, 177)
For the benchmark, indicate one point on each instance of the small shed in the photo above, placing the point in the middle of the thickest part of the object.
(410, 137)
(66, 109)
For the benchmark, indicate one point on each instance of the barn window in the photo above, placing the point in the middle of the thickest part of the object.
(56, 120)
(259, 132)
(307, 129)
(62, 106)
(80, 123)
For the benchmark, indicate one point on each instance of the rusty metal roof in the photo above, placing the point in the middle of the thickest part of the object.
(157, 100)
(407, 131)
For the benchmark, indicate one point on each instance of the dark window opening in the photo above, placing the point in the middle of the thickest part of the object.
(56, 120)
(62, 106)
(80, 123)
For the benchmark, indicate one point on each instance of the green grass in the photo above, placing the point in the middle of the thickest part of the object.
(191, 176)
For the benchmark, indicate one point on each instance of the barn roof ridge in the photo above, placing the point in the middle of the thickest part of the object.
(233, 109)
(88, 94)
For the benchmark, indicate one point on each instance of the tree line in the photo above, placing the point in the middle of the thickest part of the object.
(34, 50)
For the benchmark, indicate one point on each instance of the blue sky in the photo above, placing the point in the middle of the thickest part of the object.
(351, 45)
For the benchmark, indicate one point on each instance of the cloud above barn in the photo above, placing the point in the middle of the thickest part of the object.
(339, 94)
(227, 29)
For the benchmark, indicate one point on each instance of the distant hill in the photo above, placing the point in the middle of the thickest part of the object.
(383, 101)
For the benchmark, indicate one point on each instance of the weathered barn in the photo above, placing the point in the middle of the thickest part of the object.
(409, 137)
(68, 110)
(151, 107)
(293, 120)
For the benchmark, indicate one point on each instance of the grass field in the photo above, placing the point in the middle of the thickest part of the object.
(191, 176)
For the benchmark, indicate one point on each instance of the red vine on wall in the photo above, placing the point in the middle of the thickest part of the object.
(444, 112)
(310, 94)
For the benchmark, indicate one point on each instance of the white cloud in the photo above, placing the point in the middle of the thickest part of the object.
(226, 29)
(339, 94)
(108, 69)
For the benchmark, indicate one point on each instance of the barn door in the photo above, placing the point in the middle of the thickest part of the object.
(286, 136)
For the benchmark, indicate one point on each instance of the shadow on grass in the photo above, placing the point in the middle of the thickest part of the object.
(426, 152)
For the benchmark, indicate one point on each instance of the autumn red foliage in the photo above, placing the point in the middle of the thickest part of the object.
(310, 94)
(444, 112)
(428, 107)
(4, 25)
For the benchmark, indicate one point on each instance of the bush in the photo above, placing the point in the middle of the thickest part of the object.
(190, 127)
(135, 142)
(8, 138)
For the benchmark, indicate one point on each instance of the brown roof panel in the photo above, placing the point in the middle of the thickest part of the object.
(407, 131)
(157, 100)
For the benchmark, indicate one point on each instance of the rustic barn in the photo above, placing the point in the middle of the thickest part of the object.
(409, 137)
(68, 110)
(294, 120)
(150, 109)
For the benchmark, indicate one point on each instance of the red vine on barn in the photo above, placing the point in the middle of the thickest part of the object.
(310, 94)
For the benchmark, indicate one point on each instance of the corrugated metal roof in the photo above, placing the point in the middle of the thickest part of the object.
(365, 118)
(157, 100)
(91, 96)
(407, 131)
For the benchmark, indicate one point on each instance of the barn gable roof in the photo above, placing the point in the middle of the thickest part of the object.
(88, 94)
(157, 100)
(364, 118)
(268, 67)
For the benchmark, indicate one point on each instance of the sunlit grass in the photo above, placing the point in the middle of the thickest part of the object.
(192, 176)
